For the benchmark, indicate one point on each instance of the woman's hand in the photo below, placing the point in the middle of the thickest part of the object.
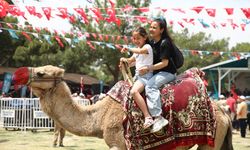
(143, 70)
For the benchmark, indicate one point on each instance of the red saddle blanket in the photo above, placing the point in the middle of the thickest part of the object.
(185, 104)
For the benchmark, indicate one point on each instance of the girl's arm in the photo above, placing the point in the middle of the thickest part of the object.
(142, 50)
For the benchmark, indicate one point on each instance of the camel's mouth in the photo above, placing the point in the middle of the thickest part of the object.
(21, 76)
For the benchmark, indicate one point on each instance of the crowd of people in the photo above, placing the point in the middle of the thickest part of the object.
(237, 109)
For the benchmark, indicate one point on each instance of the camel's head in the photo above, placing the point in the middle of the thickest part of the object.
(39, 78)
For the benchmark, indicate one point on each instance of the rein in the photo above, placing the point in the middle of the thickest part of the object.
(35, 78)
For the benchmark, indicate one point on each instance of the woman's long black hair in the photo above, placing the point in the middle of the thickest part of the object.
(163, 25)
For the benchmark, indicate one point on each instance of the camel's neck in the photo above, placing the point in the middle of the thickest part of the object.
(80, 120)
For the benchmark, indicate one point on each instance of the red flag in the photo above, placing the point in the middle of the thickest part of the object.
(90, 45)
(100, 37)
(81, 12)
(179, 10)
(27, 36)
(47, 12)
(112, 3)
(59, 41)
(4, 6)
(15, 11)
(197, 9)
(127, 8)
(72, 18)
(243, 26)
(111, 13)
(9, 25)
(246, 11)
(97, 12)
(63, 11)
(31, 9)
(229, 11)
(211, 12)
(144, 9)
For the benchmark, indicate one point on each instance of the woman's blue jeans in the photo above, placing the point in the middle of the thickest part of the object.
(153, 95)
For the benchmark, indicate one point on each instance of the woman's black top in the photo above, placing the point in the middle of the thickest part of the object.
(162, 50)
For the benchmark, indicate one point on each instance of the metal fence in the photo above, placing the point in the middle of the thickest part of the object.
(26, 113)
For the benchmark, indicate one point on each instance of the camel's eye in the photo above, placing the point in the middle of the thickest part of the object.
(40, 74)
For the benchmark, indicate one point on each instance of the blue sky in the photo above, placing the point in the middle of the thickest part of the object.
(235, 36)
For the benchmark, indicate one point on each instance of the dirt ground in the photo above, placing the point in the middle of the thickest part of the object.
(42, 140)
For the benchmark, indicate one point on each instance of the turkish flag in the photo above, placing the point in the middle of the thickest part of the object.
(197, 9)
(111, 13)
(4, 6)
(229, 11)
(63, 11)
(15, 11)
(47, 12)
(97, 12)
(246, 11)
(59, 41)
(31, 9)
(81, 12)
(27, 36)
(211, 12)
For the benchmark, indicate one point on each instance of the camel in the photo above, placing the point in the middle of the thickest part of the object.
(103, 119)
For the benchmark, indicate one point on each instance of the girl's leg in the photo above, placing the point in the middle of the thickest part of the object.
(153, 92)
(135, 92)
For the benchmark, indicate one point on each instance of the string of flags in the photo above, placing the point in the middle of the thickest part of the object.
(116, 15)
(115, 45)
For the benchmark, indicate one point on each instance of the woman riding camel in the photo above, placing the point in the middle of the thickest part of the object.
(163, 69)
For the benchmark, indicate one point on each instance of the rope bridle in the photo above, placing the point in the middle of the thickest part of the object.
(36, 78)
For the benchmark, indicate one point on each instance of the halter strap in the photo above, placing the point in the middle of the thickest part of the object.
(34, 78)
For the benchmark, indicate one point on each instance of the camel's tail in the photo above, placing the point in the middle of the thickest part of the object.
(228, 141)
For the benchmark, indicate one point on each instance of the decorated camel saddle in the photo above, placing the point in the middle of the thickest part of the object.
(185, 105)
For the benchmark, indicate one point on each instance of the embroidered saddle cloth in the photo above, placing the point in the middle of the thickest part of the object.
(185, 105)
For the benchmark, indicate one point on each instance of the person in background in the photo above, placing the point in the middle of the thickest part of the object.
(163, 69)
(142, 56)
(242, 115)
(232, 103)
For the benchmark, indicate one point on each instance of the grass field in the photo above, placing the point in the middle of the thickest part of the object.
(42, 140)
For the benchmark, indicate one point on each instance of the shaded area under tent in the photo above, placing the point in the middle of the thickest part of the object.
(227, 73)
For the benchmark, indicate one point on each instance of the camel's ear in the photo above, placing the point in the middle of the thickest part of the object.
(59, 72)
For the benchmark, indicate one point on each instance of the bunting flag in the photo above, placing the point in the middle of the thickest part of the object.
(47, 12)
(63, 11)
(197, 9)
(211, 12)
(32, 11)
(82, 14)
(27, 36)
(59, 41)
(13, 34)
(4, 6)
(246, 11)
(229, 11)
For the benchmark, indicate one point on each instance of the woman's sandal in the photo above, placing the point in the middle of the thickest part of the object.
(148, 122)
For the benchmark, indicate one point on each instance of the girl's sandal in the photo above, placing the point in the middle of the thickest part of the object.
(148, 122)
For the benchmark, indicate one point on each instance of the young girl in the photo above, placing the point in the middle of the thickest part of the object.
(142, 56)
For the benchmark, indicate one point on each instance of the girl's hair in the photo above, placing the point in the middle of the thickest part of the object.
(142, 31)
(163, 25)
